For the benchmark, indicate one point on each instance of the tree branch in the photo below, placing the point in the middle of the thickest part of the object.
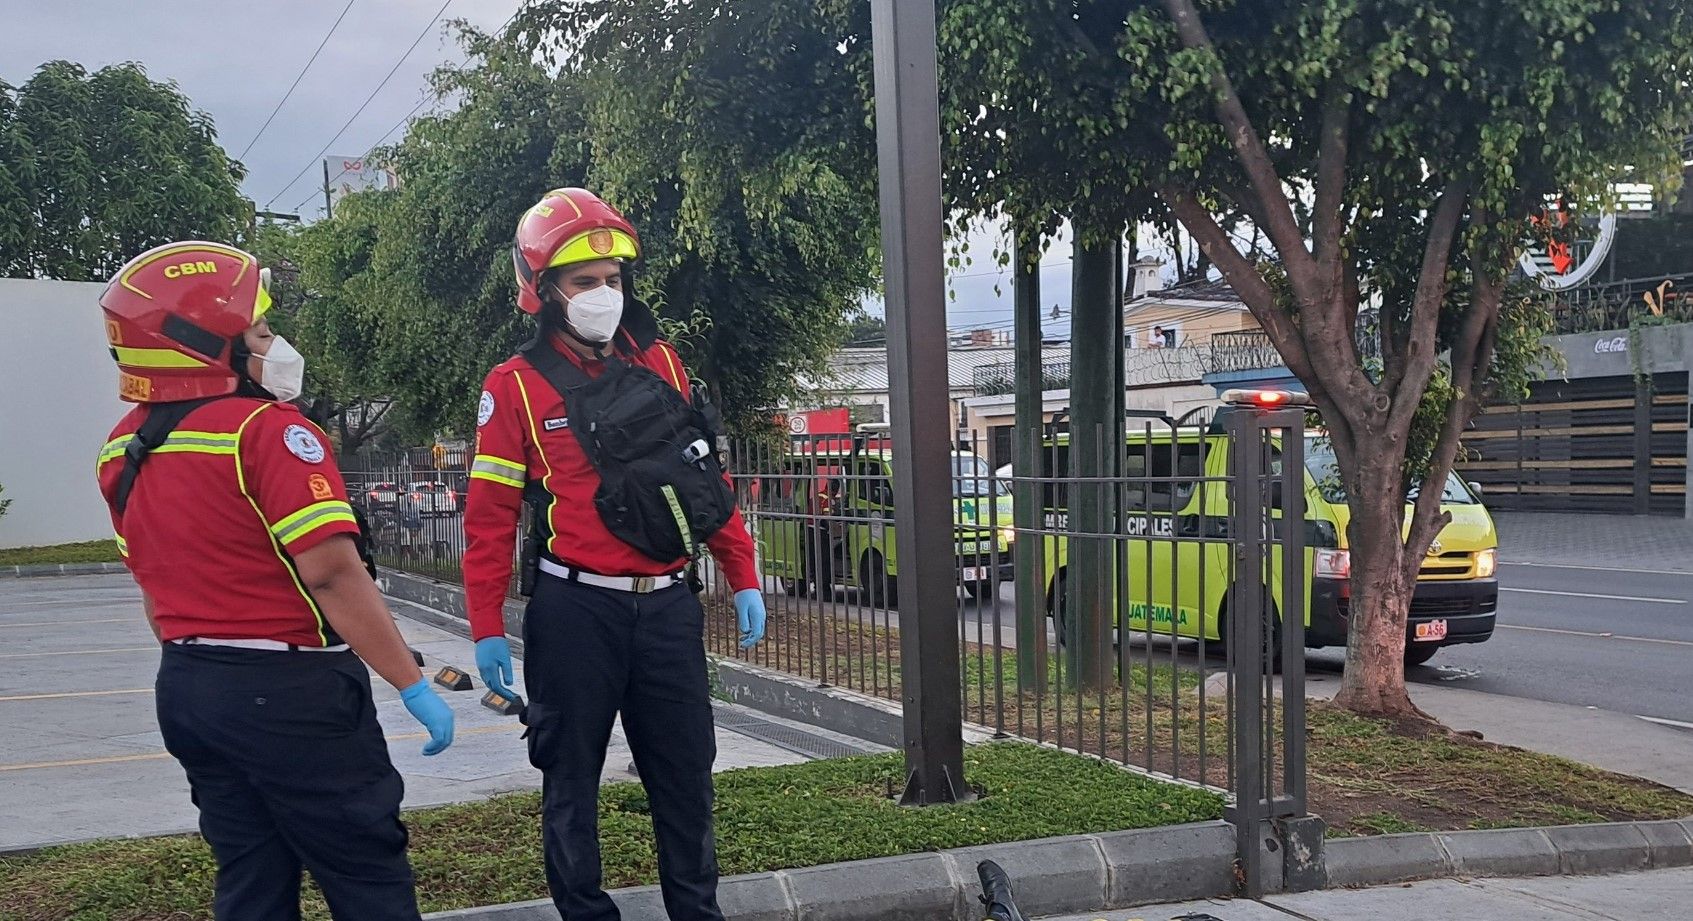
(1472, 356)
(1326, 221)
(1416, 365)
(1279, 223)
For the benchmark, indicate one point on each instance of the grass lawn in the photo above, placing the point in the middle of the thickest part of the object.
(1364, 777)
(93, 551)
(767, 819)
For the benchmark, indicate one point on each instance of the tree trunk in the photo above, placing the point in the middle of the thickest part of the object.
(1374, 679)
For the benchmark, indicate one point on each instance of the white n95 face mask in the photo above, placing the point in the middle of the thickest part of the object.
(594, 315)
(284, 370)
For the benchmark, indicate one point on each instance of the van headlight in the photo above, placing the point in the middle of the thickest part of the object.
(1487, 563)
(1332, 564)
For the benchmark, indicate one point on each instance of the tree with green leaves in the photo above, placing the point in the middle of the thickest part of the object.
(95, 168)
(1394, 151)
(735, 140)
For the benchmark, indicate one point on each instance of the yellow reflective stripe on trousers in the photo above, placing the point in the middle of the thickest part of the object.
(497, 470)
(179, 442)
(310, 518)
(681, 519)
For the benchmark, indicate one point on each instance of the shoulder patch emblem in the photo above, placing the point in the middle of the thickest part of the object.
(321, 489)
(485, 409)
(303, 444)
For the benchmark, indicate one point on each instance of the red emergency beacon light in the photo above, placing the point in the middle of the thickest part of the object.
(1266, 399)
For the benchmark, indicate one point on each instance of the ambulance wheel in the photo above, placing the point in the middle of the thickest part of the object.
(1222, 646)
(880, 588)
(1055, 607)
(980, 591)
(790, 587)
(1419, 653)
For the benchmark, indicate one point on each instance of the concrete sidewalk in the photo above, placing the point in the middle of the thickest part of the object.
(1657, 895)
(1604, 541)
(83, 758)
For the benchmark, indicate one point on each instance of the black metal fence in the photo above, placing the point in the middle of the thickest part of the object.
(1167, 586)
(1616, 304)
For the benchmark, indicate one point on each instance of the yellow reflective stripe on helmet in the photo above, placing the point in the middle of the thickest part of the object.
(310, 518)
(155, 358)
(581, 247)
(261, 303)
(498, 470)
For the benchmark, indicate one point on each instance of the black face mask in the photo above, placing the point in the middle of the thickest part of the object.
(245, 386)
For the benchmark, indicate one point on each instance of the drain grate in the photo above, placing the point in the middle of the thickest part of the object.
(798, 741)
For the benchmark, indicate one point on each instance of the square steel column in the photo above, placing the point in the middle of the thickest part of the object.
(908, 146)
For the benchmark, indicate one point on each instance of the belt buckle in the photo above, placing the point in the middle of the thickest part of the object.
(645, 584)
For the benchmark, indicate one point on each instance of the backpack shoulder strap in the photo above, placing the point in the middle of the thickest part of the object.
(558, 371)
(161, 420)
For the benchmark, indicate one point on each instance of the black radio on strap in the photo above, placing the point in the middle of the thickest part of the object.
(162, 419)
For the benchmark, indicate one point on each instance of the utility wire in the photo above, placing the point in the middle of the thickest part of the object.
(395, 69)
(298, 77)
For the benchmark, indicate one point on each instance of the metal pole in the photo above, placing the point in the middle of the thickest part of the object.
(909, 156)
(1028, 498)
(328, 206)
(1245, 625)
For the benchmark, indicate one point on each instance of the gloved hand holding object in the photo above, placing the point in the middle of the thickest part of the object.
(493, 661)
(749, 613)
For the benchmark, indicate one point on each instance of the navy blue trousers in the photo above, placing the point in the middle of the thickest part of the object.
(591, 654)
(289, 769)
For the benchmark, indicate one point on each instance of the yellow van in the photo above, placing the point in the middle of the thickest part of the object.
(1456, 596)
(827, 518)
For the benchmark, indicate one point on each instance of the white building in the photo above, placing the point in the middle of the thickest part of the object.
(58, 401)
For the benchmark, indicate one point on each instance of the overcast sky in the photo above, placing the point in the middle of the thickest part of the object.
(235, 60)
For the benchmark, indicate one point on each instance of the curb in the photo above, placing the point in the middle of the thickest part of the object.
(1566, 850)
(1051, 875)
(60, 569)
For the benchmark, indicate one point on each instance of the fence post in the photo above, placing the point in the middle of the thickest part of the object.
(1245, 628)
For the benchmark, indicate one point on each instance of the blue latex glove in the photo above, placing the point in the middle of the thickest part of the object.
(749, 612)
(493, 661)
(430, 710)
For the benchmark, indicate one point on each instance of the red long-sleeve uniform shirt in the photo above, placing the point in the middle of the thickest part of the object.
(523, 433)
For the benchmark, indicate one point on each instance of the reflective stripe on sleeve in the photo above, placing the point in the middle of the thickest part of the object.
(179, 442)
(310, 518)
(123, 546)
(498, 470)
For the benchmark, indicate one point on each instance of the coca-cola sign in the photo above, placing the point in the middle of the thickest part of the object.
(1618, 344)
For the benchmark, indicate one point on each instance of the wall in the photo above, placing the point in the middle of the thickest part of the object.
(58, 401)
(1194, 325)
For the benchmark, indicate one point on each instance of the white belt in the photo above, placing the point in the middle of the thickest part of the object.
(640, 585)
(276, 645)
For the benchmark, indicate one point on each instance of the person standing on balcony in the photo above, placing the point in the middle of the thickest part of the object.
(232, 517)
(591, 424)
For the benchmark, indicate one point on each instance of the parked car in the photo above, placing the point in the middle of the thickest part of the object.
(378, 495)
(433, 498)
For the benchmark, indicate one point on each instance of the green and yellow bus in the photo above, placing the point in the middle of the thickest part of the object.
(1187, 581)
(826, 517)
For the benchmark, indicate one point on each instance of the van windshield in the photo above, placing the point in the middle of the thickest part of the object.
(1320, 461)
(972, 478)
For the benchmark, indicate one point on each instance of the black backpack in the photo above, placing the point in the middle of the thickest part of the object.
(661, 488)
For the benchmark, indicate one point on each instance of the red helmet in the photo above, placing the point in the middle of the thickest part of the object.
(173, 314)
(566, 226)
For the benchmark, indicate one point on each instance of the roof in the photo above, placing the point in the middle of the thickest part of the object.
(1203, 293)
(864, 370)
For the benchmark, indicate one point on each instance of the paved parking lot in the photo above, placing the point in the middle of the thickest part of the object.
(80, 753)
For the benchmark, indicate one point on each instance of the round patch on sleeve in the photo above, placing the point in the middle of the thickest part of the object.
(485, 409)
(303, 444)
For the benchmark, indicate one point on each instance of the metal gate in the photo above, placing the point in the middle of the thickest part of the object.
(1610, 444)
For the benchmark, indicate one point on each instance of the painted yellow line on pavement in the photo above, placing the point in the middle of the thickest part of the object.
(78, 652)
(72, 623)
(158, 756)
(75, 694)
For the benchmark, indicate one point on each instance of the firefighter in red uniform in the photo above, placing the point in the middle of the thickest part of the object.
(608, 629)
(233, 519)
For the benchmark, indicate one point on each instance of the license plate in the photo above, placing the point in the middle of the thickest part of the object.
(1433, 630)
(974, 574)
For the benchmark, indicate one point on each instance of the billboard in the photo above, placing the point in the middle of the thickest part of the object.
(356, 174)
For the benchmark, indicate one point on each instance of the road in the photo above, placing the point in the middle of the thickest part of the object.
(1618, 640)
